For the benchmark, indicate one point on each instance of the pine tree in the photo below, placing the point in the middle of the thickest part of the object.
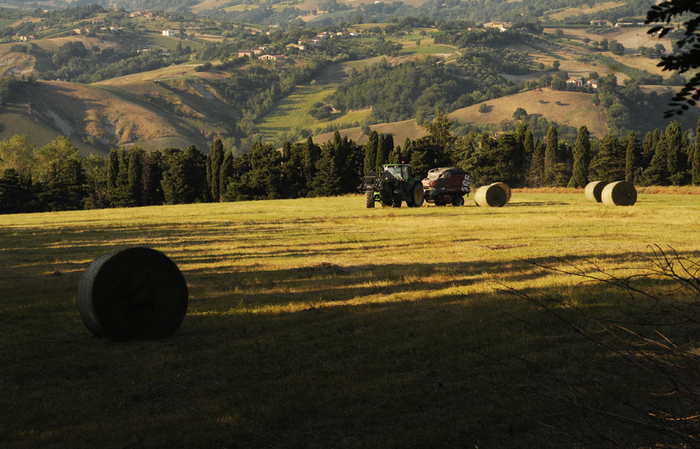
(175, 189)
(12, 195)
(582, 154)
(550, 157)
(327, 181)
(696, 157)
(609, 164)
(371, 153)
(656, 174)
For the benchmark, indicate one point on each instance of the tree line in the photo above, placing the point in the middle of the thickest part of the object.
(55, 177)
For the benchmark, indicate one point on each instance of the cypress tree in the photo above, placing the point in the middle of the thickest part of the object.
(153, 175)
(537, 171)
(225, 173)
(123, 176)
(674, 162)
(406, 152)
(121, 195)
(528, 144)
(647, 150)
(371, 153)
(550, 157)
(388, 145)
(136, 176)
(112, 171)
(696, 157)
(631, 158)
(216, 156)
(195, 162)
(395, 155)
(520, 155)
(311, 155)
(582, 154)
(286, 151)
(381, 157)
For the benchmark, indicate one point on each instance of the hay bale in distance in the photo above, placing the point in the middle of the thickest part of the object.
(490, 196)
(505, 188)
(594, 191)
(132, 293)
(620, 193)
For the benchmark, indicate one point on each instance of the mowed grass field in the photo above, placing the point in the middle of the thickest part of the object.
(320, 323)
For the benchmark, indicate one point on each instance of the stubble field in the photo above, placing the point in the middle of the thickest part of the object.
(319, 323)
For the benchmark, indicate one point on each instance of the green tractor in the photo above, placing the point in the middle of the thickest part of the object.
(394, 186)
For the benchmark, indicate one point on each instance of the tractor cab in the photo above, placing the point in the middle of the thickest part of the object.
(401, 172)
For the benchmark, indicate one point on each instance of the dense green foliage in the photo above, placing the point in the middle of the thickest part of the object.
(55, 177)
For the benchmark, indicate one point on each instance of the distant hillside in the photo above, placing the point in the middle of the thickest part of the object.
(170, 107)
(567, 108)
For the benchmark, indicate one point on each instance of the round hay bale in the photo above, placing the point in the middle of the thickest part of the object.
(132, 293)
(505, 188)
(490, 196)
(620, 193)
(594, 190)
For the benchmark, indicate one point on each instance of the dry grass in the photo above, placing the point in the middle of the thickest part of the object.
(576, 109)
(314, 322)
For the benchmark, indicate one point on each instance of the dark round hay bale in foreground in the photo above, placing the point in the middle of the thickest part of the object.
(594, 191)
(490, 196)
(132, 293)
(505, 188)
(620, 193)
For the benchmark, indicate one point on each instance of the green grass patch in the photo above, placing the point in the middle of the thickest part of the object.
(320, 323)
(426, 49)
(7, 22)
(617, 66)
(292, 112)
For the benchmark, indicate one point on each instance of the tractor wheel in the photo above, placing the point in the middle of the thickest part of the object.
(439, 201)
(457, 201)
(397, 200)
(416, 195)
(369, 199)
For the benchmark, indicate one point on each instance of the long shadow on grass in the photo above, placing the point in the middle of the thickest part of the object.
(441, 370)
(327, 283)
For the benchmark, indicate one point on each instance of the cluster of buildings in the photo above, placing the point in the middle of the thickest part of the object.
(579, 82)
(301, 45)
(259, 52)
(617, 24)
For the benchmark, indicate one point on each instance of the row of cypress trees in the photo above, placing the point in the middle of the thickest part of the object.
(55, 177)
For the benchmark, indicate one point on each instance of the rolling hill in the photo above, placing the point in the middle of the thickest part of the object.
(168, 107)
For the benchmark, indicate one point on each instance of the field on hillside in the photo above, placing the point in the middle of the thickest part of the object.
(585, 9)
(575, 109)
(320, 323)
(398, 130)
